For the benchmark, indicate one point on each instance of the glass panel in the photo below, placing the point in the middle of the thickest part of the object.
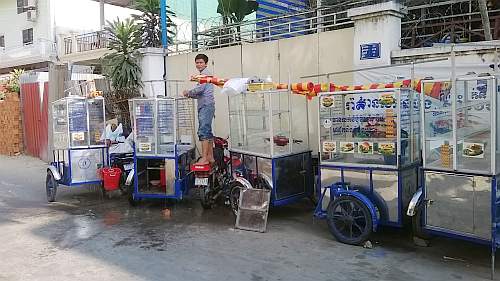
(60, 124)
(185, 125)
(250, 127)
(145, 127)
(236, 121)
(165, 121)
(97, 122)
(249, 117)
(438, 123)
(474, 124)
(359, 127)
(77, 116)
(280, 102)
(410, 126)
(300, 126)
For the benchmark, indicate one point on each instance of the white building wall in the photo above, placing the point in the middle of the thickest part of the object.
(12, 23)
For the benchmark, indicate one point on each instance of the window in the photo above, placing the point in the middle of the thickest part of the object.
(2, 41)
(28, 36)
(21, 6)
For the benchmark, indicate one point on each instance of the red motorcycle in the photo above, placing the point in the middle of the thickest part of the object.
(213, 180)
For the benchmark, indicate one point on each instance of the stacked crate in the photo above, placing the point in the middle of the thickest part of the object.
(11, 138)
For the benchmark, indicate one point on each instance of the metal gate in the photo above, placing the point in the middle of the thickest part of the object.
(35, 118)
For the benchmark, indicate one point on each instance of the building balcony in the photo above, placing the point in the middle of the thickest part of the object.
(88, 47)
(41, 50)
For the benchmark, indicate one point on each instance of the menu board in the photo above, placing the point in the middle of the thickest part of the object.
(77, 112)
(144, 120)
(370, 115)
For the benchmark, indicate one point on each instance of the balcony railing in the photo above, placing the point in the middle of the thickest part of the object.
(86, 42)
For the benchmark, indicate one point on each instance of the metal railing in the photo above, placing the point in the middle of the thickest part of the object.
(86, 42)
(266, 29)
(444, 22)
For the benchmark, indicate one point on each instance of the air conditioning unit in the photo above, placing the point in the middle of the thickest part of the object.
(32, 15)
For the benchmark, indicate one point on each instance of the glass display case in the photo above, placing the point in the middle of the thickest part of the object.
(268, 123)
(369, 145)
(460, 130)
(269, 132)
(164, 146)
(78, 122)
(163, 126)
(370, 128)
(460, 167)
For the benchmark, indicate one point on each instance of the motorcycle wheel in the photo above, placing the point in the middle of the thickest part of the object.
(234, 196)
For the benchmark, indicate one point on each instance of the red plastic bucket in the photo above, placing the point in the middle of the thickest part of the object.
(111, 178)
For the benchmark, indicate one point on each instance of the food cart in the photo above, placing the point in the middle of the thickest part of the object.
(369, 156)
(459, 195)
(269, 145)
(79, 148)
(164, 147)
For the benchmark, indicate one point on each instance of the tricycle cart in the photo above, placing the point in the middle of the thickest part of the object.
(369, 156)
(269, 145)
(164, 147)
(459, 195)
(79, 149)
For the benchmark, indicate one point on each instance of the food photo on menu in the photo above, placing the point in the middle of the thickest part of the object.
(365, 147)
(347, 147)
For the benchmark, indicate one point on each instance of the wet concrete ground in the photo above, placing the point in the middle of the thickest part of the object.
(86, 237)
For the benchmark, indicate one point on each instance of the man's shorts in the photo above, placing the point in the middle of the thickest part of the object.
(205, 117)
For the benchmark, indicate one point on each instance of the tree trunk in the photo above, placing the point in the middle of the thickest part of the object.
(486, 19)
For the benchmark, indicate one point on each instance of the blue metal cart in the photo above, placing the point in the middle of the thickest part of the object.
(79, 149)
(269, 146)
(369, 156)
(459, 195)
(164, 148)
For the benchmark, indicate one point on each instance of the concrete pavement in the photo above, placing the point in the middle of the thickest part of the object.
(84, 236)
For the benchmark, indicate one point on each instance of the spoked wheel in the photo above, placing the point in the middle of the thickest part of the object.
(234, 196)
(349, 220)
(51, 187)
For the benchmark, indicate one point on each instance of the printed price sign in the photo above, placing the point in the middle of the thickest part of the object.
(369, 51)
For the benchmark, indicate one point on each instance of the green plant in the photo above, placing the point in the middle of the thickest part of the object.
(13, 82)
(235, 11)
(150, 23)
(123, 65)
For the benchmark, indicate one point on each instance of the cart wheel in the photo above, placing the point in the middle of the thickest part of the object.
(416, 225)
(206, 201)
(51, 187)
(349, 220)
(234, 196)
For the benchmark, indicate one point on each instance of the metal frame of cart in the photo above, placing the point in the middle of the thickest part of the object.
(163, 134)
(369, 155)
(272, 143)
(79, 153)
(460, 134)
